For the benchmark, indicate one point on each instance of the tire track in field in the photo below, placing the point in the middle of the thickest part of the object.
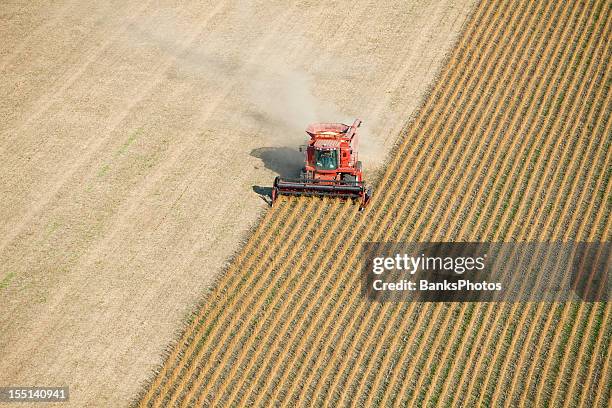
(18, 49)
(142, 91)
(139, 93)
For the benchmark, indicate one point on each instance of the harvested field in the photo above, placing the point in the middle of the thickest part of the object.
(132, 136)
(513, 144)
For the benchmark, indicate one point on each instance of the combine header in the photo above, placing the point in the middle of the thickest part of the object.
(331, 165)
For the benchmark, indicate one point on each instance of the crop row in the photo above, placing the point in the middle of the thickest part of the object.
(513, 144)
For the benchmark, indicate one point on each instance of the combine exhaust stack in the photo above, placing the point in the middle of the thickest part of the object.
(331, 166)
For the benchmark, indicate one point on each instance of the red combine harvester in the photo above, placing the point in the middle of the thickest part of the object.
(331, 168)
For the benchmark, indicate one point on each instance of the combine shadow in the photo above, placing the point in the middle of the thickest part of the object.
(265, 193)
(284, 161)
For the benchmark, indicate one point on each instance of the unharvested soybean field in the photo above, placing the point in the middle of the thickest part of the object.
(512, 145)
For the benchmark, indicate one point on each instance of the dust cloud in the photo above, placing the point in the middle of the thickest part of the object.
(277, 97)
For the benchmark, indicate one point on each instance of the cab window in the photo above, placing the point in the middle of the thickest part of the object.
(326, 159)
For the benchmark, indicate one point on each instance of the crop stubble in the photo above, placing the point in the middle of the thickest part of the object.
(513, 144)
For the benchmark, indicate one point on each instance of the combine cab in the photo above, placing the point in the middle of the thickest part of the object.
(331, 165)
